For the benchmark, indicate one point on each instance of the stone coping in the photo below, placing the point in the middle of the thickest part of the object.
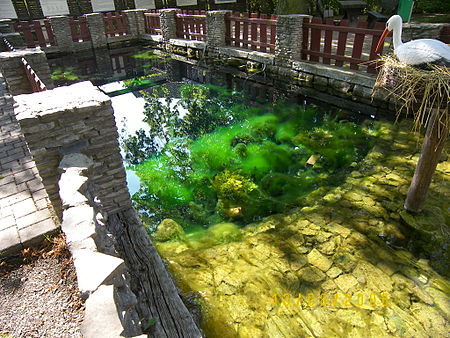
(77, 96)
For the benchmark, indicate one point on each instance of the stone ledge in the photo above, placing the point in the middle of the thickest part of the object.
(188, 43)
(94, 269)
(152, 37)
(77, 96)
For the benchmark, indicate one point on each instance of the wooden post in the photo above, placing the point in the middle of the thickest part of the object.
(433, 144)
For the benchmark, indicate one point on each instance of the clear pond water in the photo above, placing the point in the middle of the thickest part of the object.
(278, 218)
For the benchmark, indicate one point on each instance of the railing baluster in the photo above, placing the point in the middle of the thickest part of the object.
(328, 40)
(373, 56)
(358, 45)
(25, 28)
(342, 43)
(273, 33)
(85, 34)
(237, 33)
(315, 39)
(39, 34)
(254, 30)
(49, 31)
(263, 34)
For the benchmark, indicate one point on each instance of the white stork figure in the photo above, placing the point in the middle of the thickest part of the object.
(421, 52)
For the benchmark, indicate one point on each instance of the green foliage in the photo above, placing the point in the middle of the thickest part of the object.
(138, 147)
(140, 81)
(240, 163)
(261, 6)
(64, 75)
(432, 6)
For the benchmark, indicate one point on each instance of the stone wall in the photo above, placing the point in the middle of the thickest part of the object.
(103, 278)
(13, 69)
(413, 31)
(76, 118)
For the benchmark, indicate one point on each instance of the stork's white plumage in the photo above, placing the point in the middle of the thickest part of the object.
(416, 52)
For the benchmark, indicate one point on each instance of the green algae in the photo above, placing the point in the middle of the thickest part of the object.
(64, 76)
(321, 270)
(228, 160)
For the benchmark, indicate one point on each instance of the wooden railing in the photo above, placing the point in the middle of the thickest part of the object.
(36, 33)
(33, 79)
(325, 42)
(191, 25)
(79, 29)
(254, 31)
(9, 47)
(115, 24)
(152, 22)
(36, 84)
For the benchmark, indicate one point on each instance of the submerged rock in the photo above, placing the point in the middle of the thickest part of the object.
(224, 232)
(168, 230)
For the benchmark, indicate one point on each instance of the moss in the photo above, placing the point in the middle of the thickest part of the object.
(167, 230)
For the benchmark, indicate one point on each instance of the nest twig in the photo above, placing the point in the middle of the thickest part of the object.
(419, 91)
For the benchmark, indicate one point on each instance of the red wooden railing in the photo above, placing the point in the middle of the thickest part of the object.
(254, 31)
(115, 24)
(36, 33)
(9, 47)
(323, 41)
(79, 29)
(36, 84)
(152, 22)
(191, 25)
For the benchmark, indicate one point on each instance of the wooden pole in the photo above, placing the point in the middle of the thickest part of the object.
(433, 144)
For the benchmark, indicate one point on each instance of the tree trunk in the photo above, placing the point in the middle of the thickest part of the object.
(159, 303)
(433, 144)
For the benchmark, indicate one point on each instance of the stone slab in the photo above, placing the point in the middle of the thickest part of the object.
(94, 269)
(101, 316)
(73, 97)
(78, 223)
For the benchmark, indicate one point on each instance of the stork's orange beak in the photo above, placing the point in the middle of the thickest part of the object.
(381, 41)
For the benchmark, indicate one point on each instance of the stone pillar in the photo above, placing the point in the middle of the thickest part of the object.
(75, 119)
(103, 61)
(173, 71)
(61, 28)
(13, 70)
(215, 28)
(97, 29)
(136, 22)
(168, 24)
(289, 37)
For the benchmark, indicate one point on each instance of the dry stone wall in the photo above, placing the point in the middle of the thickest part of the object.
(76, 118)
(103, 278)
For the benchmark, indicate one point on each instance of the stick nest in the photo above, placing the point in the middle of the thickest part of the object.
(418, 91)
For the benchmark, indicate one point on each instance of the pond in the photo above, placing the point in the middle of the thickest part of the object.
(278, 217)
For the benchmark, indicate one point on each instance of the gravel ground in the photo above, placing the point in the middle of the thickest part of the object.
(39, 295)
